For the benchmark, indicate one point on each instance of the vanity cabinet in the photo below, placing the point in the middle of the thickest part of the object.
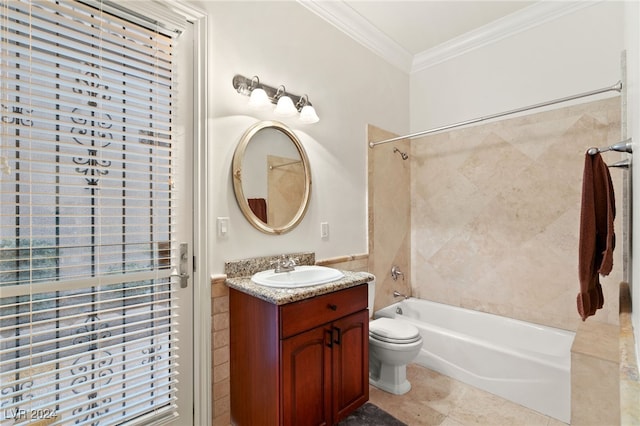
(301, 363)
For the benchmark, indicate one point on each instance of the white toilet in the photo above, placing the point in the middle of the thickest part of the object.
(393, 343)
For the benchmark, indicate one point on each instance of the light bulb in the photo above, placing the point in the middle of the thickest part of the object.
(285, 107)
(308, 114)
(259, 99)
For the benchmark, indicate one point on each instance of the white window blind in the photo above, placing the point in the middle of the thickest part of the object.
(86, 151)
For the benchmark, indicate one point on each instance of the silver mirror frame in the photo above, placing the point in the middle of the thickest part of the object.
(236, 171)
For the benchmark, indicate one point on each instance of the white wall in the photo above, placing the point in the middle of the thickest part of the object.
(572, 54)
(284, 43)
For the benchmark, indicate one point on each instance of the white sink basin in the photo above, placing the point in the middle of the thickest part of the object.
(301, 276)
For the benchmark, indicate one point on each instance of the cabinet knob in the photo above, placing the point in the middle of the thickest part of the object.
(333, 307)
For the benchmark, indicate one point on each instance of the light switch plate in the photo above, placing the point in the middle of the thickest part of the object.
(324, 230)
(222, 226)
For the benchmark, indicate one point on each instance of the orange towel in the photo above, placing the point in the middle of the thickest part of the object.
(597, 237)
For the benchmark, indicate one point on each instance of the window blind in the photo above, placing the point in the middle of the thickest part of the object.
(87, 310)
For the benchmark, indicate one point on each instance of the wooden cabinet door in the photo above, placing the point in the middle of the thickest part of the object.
(306, 378)
(350, 363)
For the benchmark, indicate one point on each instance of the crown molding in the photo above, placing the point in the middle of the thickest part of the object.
(346, 19)
(510, 25)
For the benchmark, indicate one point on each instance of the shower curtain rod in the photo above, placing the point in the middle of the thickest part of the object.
(277, 166)
(616, 87)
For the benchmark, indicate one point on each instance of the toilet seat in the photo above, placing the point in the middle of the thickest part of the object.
(393, 331)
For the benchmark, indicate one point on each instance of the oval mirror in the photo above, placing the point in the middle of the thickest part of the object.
(271, 177)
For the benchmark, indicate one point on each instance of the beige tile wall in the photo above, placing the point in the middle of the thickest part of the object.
(358, 262)
(629, 369)
(595, 381)
(220, 352)
(495, 213)
(389, 193)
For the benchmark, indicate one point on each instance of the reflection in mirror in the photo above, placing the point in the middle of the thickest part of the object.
(271, 177)
(285, 189)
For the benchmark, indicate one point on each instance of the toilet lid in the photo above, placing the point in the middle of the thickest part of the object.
(393, 331)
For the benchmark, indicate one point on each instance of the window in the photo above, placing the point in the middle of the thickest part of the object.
(86, 216)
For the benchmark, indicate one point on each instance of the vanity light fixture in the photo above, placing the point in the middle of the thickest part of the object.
(262, 96)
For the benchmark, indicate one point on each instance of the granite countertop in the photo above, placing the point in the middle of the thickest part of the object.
(281, 296)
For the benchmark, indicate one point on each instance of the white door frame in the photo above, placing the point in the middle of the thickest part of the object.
(202, 281)
(201, 380)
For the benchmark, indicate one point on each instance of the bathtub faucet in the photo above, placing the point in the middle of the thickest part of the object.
(398, 294)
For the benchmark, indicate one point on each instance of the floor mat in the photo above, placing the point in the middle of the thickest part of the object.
(370, 415)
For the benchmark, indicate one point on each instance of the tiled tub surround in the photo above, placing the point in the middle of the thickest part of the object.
(604, 374)
(595, 381)
(494, 220)
(495, 214)
(220, 319)
(389, 204)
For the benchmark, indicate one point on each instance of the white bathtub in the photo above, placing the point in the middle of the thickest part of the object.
(525, 363)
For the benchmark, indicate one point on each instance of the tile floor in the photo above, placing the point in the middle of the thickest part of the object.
(435, 399)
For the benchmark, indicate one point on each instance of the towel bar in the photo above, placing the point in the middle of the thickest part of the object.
(622, 164)
(624, 146)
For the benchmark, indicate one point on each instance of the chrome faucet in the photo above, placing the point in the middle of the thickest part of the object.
(396, 272)
(284, 264)
(398, 294)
